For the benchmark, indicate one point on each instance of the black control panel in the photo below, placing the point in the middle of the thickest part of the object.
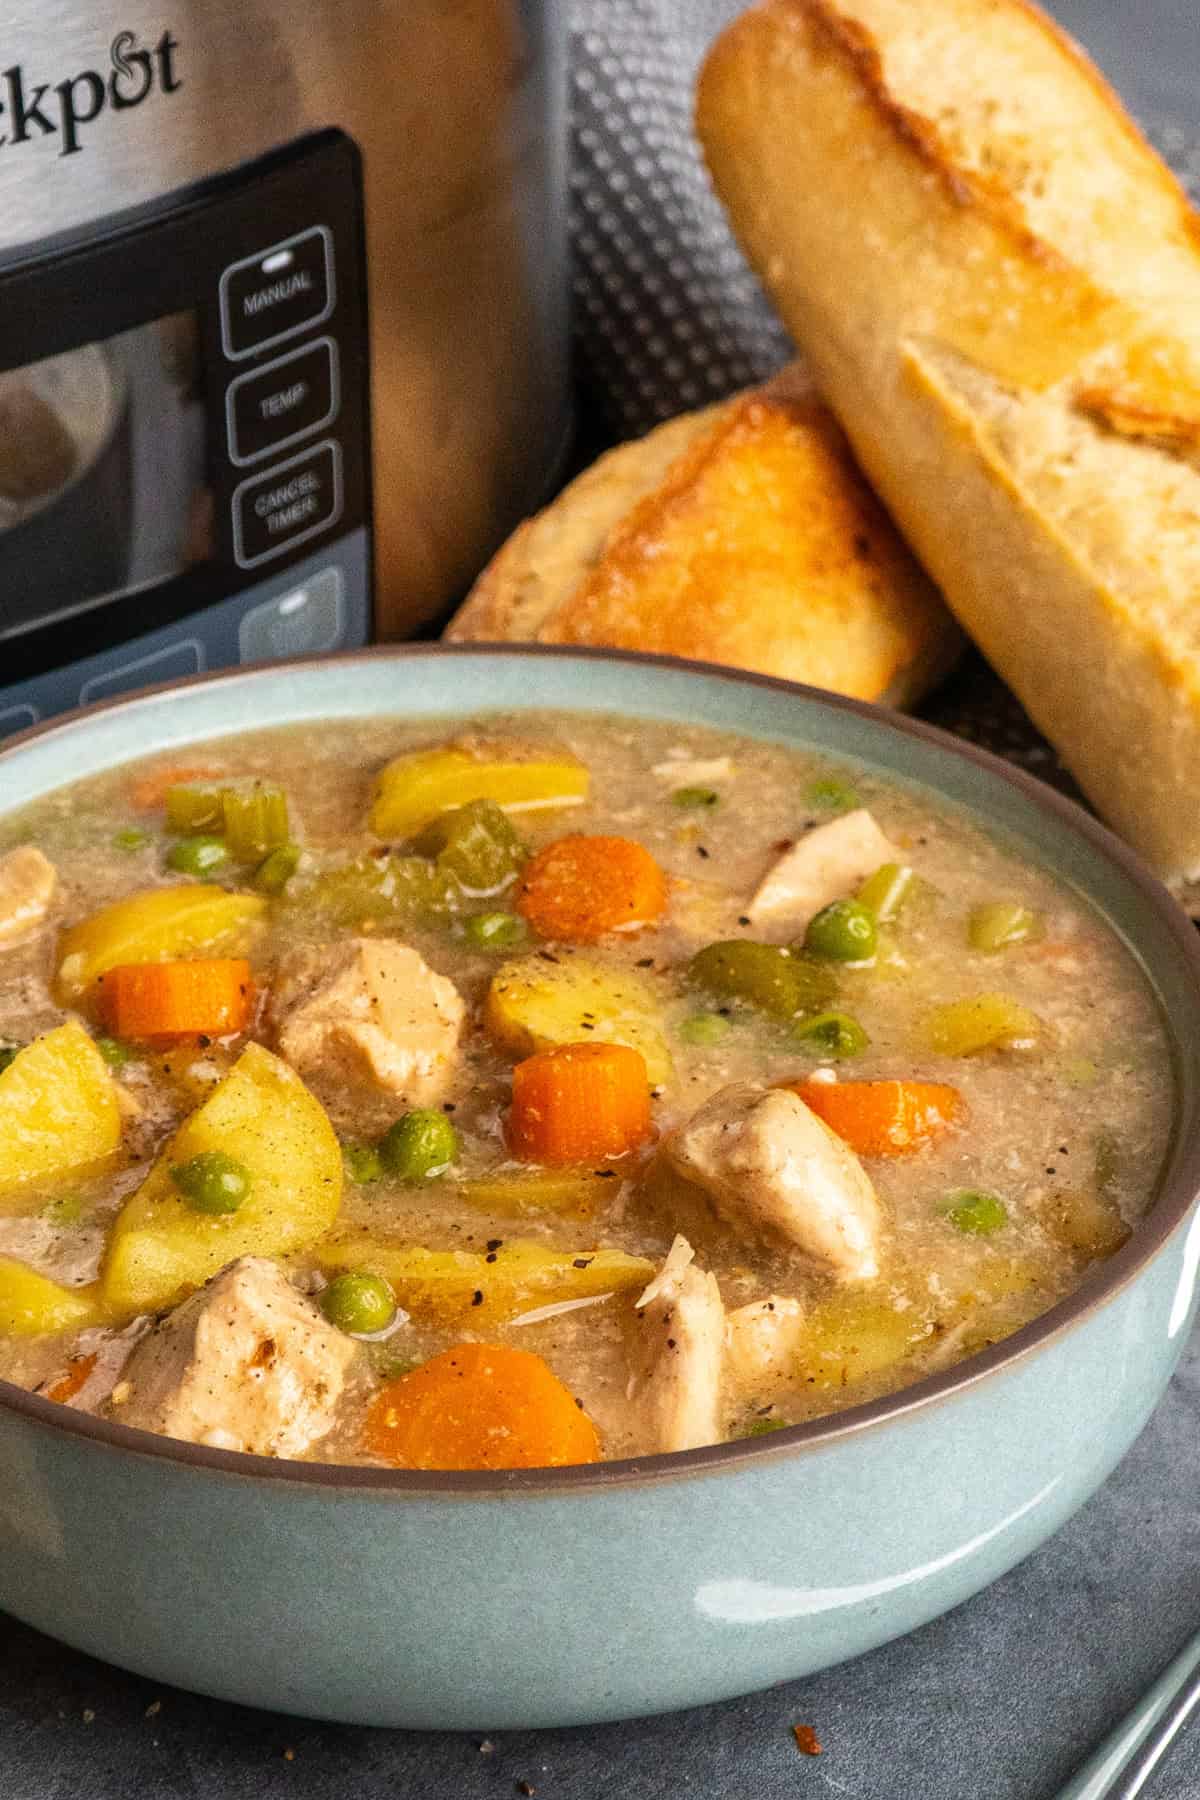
(255, 281)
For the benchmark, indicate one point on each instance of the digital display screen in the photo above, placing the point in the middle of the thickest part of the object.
(102, 472)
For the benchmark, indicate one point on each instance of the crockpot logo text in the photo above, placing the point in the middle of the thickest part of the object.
(30, 109)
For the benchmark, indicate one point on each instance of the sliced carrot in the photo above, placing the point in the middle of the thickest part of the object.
(577, 1102)
(579, 888)
(159, 1002)
(882, 1118)
(480, 1406)
(68, 1385)
(150, 790)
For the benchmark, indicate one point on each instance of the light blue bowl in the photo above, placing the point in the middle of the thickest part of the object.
(566, 1596)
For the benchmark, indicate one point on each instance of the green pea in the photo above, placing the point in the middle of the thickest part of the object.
(1001, 923)
(420, 1146)
(761, 1427)
(763, 976)
(976, 1212)
(130, 839)
(497, 931)
(358, 1303)
(363, 1163)
(212, 1182)
(115, 1053)
(842, 932)
(830, 794)
(695, 796)
(834, 1033)
(276, 870)
(198, 855)
(704, 1028)
(885, 892)
(8, 1055)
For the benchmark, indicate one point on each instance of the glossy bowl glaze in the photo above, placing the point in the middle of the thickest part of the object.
(572, 1595)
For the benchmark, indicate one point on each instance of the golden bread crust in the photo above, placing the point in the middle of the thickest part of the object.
(743, 535)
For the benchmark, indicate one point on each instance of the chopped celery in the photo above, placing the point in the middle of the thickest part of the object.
(251, 815)
(975, 1212)
(497, 931)
(377, 887)
(477, 845)
(830, 794)
(1001, 923)
(276, 870)
(887, 890)
(985, 1022)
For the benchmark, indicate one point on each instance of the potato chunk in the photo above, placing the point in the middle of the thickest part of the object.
(58, 1110)
(27, 883)
(532, 1005)
(246, 1364)
(31, 1305)
(153, 926)
(443, 1285)
(369, 1025)
(262, 1115)
(418, 787)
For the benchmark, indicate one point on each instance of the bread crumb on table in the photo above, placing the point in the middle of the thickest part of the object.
(807, 1741)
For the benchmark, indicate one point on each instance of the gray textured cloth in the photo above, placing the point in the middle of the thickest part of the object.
(668, 314)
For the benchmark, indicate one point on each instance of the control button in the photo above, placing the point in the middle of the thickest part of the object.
(291, 502)
(283, 290)
(275, 406)
(305, 622)
(171, 663)
(17, 718)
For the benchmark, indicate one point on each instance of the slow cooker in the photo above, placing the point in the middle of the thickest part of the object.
(283, 348)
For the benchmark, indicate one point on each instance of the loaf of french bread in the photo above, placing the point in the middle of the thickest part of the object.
(997, 284)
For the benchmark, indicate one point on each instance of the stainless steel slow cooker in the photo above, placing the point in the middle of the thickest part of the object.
(283, 348)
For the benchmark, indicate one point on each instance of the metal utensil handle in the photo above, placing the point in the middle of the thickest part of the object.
(1127, 1758)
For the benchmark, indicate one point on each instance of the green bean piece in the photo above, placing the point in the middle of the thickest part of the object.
(831, 794)
(771, 979)
(704, 1029)
(695, 796)
(276, 870)
(212, 1182)
(497, 931)
(999, 924)
(975, 1212)
(476, 845)
(842, 932)
(130, 839)
(358, 1303)
(198, 856)
(420, 1146)
(833, 1033)
(762, 1427)
(8, 1055)
(363, 1163)
(885, 892)
(115, 1053)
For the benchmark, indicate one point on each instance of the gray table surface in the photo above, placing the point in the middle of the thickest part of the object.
(997, 1701)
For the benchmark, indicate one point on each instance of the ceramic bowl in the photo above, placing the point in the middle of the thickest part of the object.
(573, 1595)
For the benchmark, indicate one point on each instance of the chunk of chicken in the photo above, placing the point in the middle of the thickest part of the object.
(825, 865)
(369, 1025)
(676, 1382)
(770, 1163)
(27, 883)
(246, 1363)
(763, 1341)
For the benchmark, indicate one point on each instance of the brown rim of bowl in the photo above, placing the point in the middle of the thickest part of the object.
(1174, 1202)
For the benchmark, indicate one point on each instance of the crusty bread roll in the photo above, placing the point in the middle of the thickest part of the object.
(997, 284)
(741, 534)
